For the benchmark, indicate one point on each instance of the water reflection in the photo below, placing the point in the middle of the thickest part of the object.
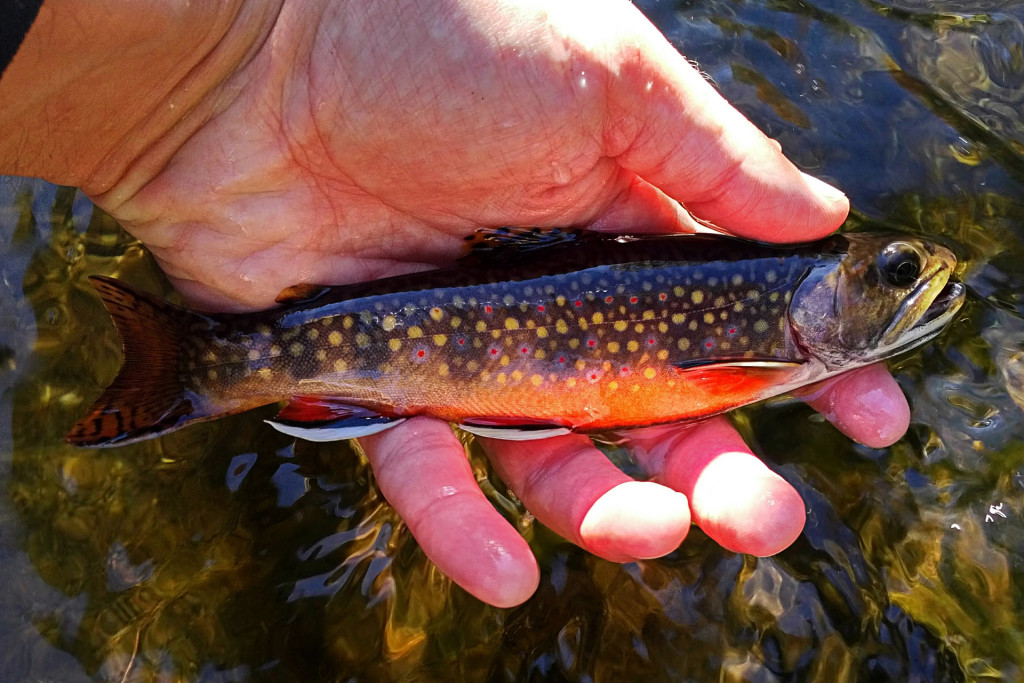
(227, 552)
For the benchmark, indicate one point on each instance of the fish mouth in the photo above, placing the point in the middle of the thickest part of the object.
(938, 314)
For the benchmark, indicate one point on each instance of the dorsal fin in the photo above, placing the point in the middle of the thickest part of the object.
(299, 293)
(501, 245)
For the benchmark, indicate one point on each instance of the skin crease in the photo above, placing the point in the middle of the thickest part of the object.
(331, 142)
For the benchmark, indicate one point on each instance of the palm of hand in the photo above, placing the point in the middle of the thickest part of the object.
(370, 147)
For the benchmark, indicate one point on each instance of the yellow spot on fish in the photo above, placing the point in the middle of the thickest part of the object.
(340, 365)
(773, 297)
(583, 323)
(415, 332)
(719, 301)
(639, 328)
(516, 375)
(212, 374)
(709, 318)
(692, 325)
(296, 349)
(560, 300)
(662, 354)
(456, 321)
(663, 327)
(621, 325)
(697, 296)
(264, 330)
(254, 354)
(760, 326)
(505, 360)
(632, 346)
(264, 373)
(210, 357)
(723, 315)
(598, 318)
(561, 327)
(443, 370)
(683, 344)
(613, 347)
(511, 324)
(312, 334)
(394, 344)
(362, 340)
(481, 326)
(321, 354)
(334, 338)
(539, 354)
(472, 366)
(648, 315)
(440, 339)
(737, 279)
(388, 322)
(485, 376)
(574, 343)
(536, 380)
(275, 350)
(436, 314)
(678, 318)
(678, 291)
(649, 373)
(571, 382)
(613, 385)
(347, 322)
(635, 388)
(501, 378)
(580, 365)
(542, 332)
(787, 296)
(530, 324)
(496, 334)
(737, 307)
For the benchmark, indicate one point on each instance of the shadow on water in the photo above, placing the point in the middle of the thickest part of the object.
(226, 552)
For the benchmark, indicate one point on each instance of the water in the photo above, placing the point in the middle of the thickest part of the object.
(226, 552)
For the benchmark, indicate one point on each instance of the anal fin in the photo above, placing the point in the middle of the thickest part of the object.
(323, 418)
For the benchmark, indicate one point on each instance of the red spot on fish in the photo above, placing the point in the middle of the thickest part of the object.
(633, 299)
(732, 331)
(524, 350)
(494, 350)
(561, 360)
(577, 303)
(651, 341)
(461, 341)
(709, 344)
(663, 297)
(591, 343)
(488, 309)
(609, 299)
(624, 371)
(593, 376)
(420, 353)
(541, 308)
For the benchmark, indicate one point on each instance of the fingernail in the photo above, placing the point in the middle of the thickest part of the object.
(636, 520)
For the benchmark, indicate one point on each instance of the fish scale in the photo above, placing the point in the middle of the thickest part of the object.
(583, 333)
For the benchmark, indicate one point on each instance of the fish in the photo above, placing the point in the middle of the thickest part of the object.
(534, 333)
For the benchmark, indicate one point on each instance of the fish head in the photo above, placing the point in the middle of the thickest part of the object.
(875, 296)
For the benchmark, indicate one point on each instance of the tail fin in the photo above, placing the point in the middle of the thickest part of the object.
(148, 396)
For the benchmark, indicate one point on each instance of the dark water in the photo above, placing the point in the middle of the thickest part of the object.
(228, 553)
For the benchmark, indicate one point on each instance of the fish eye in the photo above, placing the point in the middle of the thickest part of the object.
(899, 264)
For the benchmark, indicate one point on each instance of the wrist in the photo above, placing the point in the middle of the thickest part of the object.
(100, 91)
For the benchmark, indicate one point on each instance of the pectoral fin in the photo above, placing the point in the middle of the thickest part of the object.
(744, 376)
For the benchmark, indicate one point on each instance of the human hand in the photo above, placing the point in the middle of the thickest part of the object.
(350, 141)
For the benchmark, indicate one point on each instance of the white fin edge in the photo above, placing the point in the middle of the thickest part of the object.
(321, 434)
(513, 433)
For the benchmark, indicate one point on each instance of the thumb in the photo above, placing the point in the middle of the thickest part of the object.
(674, 130)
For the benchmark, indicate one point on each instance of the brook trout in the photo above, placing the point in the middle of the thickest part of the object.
(536, 333)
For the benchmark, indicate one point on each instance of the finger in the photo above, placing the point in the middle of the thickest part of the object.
(671, 127)
(572, 488)
(734, 497)
(422, 470)
(866, 404)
